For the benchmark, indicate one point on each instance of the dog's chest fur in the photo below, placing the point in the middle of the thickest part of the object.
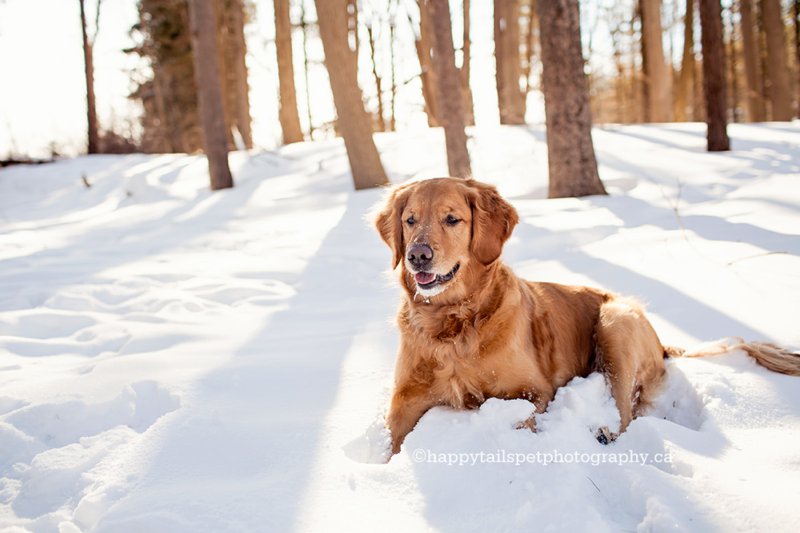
(466, 354)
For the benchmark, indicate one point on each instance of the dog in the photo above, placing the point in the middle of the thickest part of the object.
(470, 329)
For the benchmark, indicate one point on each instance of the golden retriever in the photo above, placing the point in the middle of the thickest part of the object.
(471, 329)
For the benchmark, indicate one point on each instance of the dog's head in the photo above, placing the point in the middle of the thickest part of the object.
(444, 231)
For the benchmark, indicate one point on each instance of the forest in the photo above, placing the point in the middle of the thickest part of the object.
(669, 61)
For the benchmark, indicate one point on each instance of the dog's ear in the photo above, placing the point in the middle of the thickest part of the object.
(493, 220)
(389, 225)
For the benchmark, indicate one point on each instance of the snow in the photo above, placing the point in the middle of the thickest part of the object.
(173, 359)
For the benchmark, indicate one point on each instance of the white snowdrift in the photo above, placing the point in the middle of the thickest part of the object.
(177, 360)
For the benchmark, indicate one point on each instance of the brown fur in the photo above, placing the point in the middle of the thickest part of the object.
(766, 354)
(492, 334)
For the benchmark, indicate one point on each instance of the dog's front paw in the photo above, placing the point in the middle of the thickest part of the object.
(528, 423)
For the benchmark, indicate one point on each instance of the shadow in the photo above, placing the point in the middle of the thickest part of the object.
(106, 246)
(686, 312)
(255, 423)
(779, 126)
(639, 132)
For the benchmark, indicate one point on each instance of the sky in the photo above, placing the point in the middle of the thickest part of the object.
(42, 99)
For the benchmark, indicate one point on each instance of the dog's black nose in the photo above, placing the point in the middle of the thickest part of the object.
(420, 256)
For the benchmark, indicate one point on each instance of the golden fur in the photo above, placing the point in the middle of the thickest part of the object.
(487, 333)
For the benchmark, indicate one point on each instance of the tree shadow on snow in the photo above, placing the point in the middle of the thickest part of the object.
(252, 434)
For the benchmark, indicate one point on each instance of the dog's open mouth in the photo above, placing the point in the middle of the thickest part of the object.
(429, 280)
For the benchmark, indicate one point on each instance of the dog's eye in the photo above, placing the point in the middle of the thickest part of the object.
(451, 220)
(410, 221)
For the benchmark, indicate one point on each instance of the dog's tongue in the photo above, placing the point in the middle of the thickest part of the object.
(423, 278)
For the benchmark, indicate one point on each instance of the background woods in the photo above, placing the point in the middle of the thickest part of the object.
(283, 81)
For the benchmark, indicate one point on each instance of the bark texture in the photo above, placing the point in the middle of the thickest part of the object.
(796, 17)
(353, 121)
(469, 113)
(571, 160)
(209, 91)
(778, 91)
(508, 66)
(659, 73)
(756, 111)
(714, 75)
(91, 107)
(686, 80)
(242, 87)
(287, 113)
(448, 90)
(424, 45)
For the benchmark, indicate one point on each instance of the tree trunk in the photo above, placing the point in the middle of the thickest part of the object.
(352, 27)
(287, 114)
(88, 64)
(427, 73)
(243, 120)
(381, 122)
(686, 79)
(645, 85)
(777, 69)
(752, 68)
(659, 76)
(510, 99)
(714, 75)
(352, 119)
(571, 160)
(227, 82)
(466, 89)
(619, 82)
(526, 72)
(734, 79)
(393, 102)
(306, 64)
(796, 18)
(209, 92)
(635, 91)
(448, 83)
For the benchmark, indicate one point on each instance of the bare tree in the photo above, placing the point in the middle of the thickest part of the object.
(352, 26)
(529, 40)
(287, 113)
(88, 64)
(714, 75)
(571, 160)
(777, 67)
(466, 89)
(239, 50)
(615, 32)
(644, 94)
(733, 77)
(508, 65)
(424, 44)
(209, 91)
(752, 64)
(352, 119)
(381, 121)
(393, 101)
(304, 26)
(796, 17)
(659, 75)
(686, 79)
(447, 84)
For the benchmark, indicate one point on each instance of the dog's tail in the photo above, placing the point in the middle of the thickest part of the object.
(768, 355)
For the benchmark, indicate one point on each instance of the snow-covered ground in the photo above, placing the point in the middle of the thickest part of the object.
(173, 359)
